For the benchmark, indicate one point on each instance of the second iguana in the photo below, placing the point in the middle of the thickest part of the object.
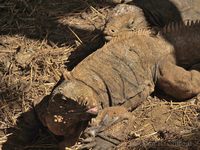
(154, 14)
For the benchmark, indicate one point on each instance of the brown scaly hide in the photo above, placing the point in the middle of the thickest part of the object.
(173, 79)
(129, 60)
(124, 18)
(124, 72)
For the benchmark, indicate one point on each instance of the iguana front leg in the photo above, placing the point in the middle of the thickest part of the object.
(97, 138)
(178, 82)
(111, 129)
(143, 92)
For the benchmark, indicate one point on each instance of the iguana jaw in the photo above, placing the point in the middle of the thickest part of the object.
(109, 37)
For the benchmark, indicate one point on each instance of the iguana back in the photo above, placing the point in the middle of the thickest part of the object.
(126, 65)
(184, 38)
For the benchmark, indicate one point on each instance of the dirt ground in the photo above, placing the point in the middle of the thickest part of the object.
(38, 40)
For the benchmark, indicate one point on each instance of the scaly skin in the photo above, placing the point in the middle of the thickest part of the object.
(181, 50)
(158, 13)
(124, 72)
(124, 18)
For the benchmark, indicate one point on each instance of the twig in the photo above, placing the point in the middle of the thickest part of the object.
(171, 114)
(8, 51)
(187, 116)
(78, 38)
(93, 9)
(3, 138)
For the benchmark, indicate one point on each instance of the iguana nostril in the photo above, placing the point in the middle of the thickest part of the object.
(112, 30)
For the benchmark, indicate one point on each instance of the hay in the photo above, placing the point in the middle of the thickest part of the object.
(41, 38)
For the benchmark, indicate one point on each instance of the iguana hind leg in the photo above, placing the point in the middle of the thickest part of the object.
(178, 82)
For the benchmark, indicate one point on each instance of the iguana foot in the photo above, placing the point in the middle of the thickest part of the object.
(98, 143)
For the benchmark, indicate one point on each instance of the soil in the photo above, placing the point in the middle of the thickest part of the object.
(38, 40)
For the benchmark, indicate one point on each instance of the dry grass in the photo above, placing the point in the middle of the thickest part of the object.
(41, 38)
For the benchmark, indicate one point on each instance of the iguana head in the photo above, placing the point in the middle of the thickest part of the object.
(122, 19)
(70, 106)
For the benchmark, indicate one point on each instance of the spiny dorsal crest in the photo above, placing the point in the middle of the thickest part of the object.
(177, 26)
(126, 35)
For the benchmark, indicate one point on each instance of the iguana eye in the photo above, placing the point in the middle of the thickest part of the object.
(62, 100)
(130, 25)
(66, 101)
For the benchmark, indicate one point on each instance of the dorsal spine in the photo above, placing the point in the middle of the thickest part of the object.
(176, 26)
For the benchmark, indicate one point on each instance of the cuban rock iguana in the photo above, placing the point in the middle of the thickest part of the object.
(124, 72)
(154, 14)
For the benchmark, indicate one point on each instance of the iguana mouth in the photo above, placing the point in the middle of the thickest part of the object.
(88, 110)
(108, 37)
(93, 110)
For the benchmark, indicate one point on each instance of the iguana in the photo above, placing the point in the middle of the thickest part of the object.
(157, 13)
(124, 72)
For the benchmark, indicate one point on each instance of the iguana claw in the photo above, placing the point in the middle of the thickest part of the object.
(96, 139)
